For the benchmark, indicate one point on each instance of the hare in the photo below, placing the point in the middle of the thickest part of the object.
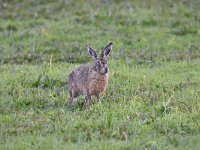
(89, 80)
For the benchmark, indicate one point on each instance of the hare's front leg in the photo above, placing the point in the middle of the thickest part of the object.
(88, 99)
(97, 96)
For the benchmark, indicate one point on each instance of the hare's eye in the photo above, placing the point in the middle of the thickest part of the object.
(103, 63)
(98, 64)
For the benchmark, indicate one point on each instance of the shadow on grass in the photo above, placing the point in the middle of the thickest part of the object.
(44, 81)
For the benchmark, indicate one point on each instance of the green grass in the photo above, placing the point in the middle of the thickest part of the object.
(152, 101)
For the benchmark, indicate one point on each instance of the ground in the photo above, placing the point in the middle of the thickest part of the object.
(153, 97)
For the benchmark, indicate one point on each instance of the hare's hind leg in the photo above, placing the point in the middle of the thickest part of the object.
(71, 98)
(73, 94)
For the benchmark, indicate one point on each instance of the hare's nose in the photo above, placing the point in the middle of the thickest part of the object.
(106, 70)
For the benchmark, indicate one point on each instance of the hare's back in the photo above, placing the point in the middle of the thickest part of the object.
(80, 74)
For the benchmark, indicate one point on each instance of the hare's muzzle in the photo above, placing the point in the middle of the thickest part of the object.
(104, 70)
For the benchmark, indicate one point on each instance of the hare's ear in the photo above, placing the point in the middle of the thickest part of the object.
(106, 51)
(92, 52)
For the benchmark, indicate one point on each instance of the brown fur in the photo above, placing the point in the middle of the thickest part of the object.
(90, 80)
(98, 84)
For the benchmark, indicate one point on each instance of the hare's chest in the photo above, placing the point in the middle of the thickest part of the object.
(98, 84)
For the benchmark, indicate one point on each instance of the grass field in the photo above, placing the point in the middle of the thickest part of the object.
(153, 98)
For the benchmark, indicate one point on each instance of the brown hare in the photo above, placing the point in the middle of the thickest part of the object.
(89, 80)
